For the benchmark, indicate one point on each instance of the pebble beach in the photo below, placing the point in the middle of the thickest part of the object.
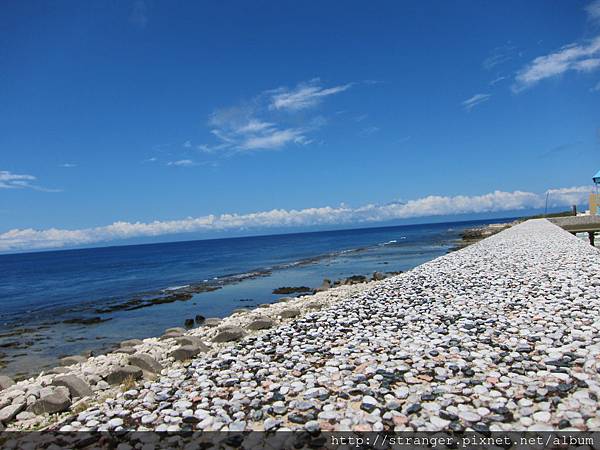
(501, 335)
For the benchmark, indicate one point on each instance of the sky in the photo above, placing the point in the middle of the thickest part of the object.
(146, 118)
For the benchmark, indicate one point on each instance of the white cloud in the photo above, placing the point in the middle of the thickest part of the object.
(572, 57)
(499, 55)
(576, 195)
(497, 80)
(433, 205)
(9, 180)
(303, 96)
(477, 99)
(596, 88)
(182, 163)
(187, 144)
(270, 120)
(593, 11)
(273, 139)
(68, 165)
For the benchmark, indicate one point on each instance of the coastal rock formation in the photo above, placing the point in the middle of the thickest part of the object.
(145, 362)
(57, 401)
(76, 386)
(186, 352)
(120, 374)
(229, 334)
(289, 313)
(261, 324)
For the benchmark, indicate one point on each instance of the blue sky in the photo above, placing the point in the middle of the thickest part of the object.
(147, 118)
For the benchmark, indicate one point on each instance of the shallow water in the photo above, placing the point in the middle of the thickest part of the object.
(38, 291)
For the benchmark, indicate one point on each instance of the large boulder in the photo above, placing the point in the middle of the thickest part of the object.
(70, 360)
(120, 374)
(131, 342)
(261, 324)
(76, 386)
(9, 412)
(191, 340)
(212, 322)
(289, 313)
(175, 330)
(56, 402)
(5, 382)
(186, 352)
(145, 362)
(170, 335)
(229, 334)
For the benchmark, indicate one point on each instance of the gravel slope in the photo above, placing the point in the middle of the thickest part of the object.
(502, 335)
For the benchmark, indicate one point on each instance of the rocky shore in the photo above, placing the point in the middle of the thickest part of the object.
(501, 335)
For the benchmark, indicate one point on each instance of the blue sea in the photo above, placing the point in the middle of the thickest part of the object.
(45, 296)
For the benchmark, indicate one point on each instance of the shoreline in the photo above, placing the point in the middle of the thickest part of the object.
(159, 356)
(403, 353)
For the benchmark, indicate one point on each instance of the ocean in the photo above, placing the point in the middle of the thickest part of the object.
(58, 303)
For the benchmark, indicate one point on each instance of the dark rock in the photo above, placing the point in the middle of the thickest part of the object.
(50, 404)
(86, 320)
(189, 323)
(199, 318)
(70, 360)
(413, 409)
(120, 374)
(290, 290)
(145, 362)
(229, 334)
(76, 386)
(378, 276)
(261, 324)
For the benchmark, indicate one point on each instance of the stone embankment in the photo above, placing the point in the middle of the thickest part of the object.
(501, 335)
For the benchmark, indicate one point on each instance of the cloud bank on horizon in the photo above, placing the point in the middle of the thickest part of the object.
(31, 239)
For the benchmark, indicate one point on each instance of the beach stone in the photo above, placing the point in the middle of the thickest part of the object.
(326, 285)
(145, 362)
(289, 313)
(56, 402)
(71, 360)
(170, 335)
(120, 374)
(189, 323)
(76, 386)
(186, 352)
(9, 412)
(192, 340)
(175, 330)
(212, 322)
(229, 334)
(131, 342)
(261, 324)
(125, 350)
(378, 276)
(5, 382)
